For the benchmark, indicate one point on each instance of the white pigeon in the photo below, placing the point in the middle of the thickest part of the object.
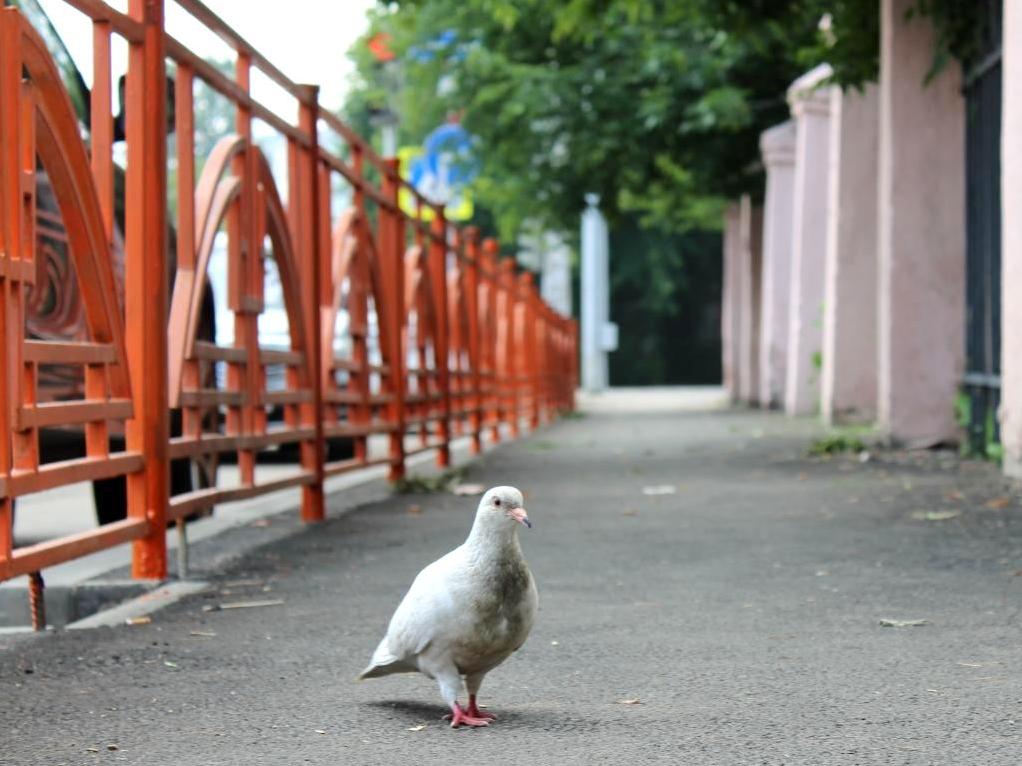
(466, 612)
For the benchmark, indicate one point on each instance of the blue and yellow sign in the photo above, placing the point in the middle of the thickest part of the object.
(441, 171)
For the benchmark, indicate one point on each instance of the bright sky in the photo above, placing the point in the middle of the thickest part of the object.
(306, 39)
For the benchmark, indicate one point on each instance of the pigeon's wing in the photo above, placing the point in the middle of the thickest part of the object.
(530, 605)
(424, 613)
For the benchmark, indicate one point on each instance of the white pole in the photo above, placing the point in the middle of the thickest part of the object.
(595, 298)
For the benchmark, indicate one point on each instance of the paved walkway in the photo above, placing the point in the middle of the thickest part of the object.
(739, 615)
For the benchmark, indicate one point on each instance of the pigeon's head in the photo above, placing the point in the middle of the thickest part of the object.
(503, 506)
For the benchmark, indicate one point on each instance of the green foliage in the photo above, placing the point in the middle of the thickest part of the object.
(657, 107)
(836, 444)
(664, 290)
(416, 484)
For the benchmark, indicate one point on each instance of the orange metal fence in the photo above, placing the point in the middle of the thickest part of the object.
(397, 326)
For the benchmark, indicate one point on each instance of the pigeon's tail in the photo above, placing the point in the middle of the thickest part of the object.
(384, 663)
(394, 666)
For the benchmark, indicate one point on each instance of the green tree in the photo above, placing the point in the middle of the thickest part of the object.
(655, 106)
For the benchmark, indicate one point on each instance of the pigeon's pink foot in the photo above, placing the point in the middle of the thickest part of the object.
(475, 712)
(461, 717)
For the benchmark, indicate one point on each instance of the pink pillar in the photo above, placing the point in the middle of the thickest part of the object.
(1011, 241)
(731, 302)
(810, 106)
(921, 243)
(849, 377)
(777, 147)
(751, 238)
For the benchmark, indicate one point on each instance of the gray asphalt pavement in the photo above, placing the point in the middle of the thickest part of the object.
(735, 621)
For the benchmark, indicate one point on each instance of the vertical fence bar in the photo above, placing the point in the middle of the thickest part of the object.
(313, 508)
(10, 239)
(491, 411)
(102, 125)
(536, 349)
(247, 275)
(441, 350)
(146, 285)
(470, 285)
(391, 250)
(510, 361)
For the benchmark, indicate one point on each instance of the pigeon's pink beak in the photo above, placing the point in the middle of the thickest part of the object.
(519, 515)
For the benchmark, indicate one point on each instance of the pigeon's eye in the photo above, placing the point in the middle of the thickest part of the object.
(497, 501)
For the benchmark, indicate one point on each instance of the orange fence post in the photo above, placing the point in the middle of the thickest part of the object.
(510, 360)
(11, 240)
(391, 248)
(245, 280)
(471, 288)
(528, 374)
(146, 285)
(441, 348)
(308, 210)
(488, 343)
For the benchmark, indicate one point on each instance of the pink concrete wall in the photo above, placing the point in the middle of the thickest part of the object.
(1011, 241)
(921, 243)
(849, 377)
(777, 147)
(750, 236)
(730, 303)
(810, 107)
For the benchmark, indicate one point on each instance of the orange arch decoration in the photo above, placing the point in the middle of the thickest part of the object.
(52, 134)
(217, 191)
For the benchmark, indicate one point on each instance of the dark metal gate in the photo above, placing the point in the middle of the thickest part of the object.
(982, 382)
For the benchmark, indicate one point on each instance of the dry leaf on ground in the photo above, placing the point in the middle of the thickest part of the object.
(144, 620)
(420, 727)
(998, 503)
(632, 701)
(659, 489)
(251, 604)
(935, 515)
(415, 510)
(903, 623)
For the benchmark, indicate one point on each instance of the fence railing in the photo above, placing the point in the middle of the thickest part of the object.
(396, 328)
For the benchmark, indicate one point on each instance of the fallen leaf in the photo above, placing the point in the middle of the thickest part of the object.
(468, 489)
(170, 664)
(203, 633)
(935, 515)
(92, 750)
(319, 731)
(252, 604)
(112, 747)
(659, 489)
(954, 495)
(630, 512)
(903, 623)
(415, 510)
(144, 620)
(633, 701)
(998, 503)
(420, 727)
